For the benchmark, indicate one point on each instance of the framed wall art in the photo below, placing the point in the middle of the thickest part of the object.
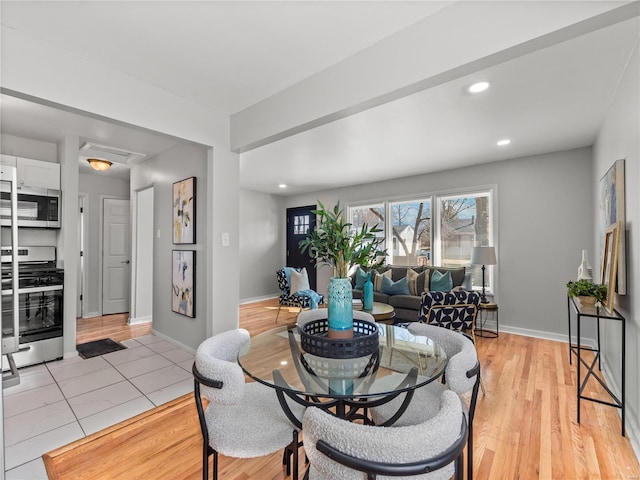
(184, 211)
(609, 267)
(183, 300)
(611, 211)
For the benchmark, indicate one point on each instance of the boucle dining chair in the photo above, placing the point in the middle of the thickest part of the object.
(462, 375)
(433, 449)
(243, 419)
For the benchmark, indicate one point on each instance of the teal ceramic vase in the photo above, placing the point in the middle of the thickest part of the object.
(340, 315)
(367, 301)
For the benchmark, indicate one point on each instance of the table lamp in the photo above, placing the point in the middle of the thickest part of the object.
(483, 256)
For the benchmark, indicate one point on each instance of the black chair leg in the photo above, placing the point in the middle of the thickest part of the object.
(459, 467)
(205, 462)
(215, 465)
(470, 453)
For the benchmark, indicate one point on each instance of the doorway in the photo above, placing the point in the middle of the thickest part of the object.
(300, 221)
(142, 292)
(116, 256)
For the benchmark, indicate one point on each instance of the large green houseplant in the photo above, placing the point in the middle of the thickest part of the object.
(335, 242)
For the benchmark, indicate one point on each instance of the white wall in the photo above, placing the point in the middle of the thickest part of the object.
(143, 254)
(162, 171)
(261, 222)
(544, 218)
(619, 138)
(96, 188)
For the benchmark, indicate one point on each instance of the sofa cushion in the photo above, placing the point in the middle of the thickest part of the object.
(457, 274)
(422, 282)
(377, 280)
(401, 287)
(360, 277)
(381, 297)
(440, 282)
(412, 277)
(408, 302)
(299, 280)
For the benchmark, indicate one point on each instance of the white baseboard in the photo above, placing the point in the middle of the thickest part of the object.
(632, 425)
(91, 314)
(245, 301)
(556, 337)
(173, 341)
(138, 320)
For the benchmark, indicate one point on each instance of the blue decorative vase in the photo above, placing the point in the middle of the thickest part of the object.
(367, 301)
(340, 317)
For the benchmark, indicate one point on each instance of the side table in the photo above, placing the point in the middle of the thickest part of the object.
(485, 310)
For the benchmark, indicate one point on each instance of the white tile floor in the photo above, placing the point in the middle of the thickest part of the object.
(59, 402)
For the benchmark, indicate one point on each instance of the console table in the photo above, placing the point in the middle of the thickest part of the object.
(582, 313)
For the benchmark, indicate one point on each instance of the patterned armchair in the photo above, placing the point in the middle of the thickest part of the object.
(302, 300)
(455, 310)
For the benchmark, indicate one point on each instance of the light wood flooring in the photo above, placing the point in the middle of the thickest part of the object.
(525, 425)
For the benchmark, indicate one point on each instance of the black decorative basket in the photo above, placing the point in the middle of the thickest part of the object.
(315, 340)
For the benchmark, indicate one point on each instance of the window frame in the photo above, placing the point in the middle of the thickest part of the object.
(490, 191)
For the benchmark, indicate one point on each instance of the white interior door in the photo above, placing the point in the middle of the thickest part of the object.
(116, 256)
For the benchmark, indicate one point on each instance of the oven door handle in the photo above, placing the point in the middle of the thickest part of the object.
(50, 288)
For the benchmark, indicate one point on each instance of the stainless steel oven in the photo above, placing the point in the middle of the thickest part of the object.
(40, 306)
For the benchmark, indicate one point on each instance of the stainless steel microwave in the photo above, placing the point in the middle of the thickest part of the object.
(37, 207)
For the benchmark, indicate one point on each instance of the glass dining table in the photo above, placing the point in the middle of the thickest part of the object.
(346, 387)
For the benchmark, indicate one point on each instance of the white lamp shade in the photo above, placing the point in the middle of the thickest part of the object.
(483, 256)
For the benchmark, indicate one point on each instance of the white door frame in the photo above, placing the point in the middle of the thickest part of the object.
(139, 268)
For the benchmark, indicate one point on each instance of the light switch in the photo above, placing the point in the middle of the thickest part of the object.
(225, 239)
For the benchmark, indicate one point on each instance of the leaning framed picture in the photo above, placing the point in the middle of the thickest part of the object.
(184, 211)
(609, 267)
(183, 299)
(612, 210)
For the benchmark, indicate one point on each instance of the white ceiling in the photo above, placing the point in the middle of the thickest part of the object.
(231, 55)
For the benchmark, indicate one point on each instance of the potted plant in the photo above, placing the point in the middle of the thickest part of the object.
(334, 242)
(587, 292)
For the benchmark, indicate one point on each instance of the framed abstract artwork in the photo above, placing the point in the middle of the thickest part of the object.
(183, 283)
(611, 211)
(184, 211)
(609, 266)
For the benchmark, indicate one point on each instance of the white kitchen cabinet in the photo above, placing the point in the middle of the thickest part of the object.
(8, 160)
(36, 173)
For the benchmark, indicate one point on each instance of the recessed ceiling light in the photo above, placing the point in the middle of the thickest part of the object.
(478, 87)
(282, 185)
(503, 142)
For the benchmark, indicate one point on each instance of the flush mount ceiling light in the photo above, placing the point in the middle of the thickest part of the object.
(503, 142)
(478, 87)
(282, 185)
(99, 164)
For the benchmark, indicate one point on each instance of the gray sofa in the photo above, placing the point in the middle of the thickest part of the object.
(407, 307)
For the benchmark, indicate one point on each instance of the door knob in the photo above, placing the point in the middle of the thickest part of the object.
(126, 262)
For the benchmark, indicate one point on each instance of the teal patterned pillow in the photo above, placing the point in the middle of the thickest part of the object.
(401, 287)
(441, 282)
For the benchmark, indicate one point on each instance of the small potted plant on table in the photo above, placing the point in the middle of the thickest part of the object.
(588, 293)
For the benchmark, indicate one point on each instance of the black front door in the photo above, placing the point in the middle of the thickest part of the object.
(300, 220)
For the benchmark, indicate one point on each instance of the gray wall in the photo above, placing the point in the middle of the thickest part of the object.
(162, 171)
(96, 188)
(619, 138)
(544, 218)
(261, 223)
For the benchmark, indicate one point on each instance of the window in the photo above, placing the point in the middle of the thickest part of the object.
(464, 222)
(300, 224)
(371, 215)
(411, 232)
(434, 229)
